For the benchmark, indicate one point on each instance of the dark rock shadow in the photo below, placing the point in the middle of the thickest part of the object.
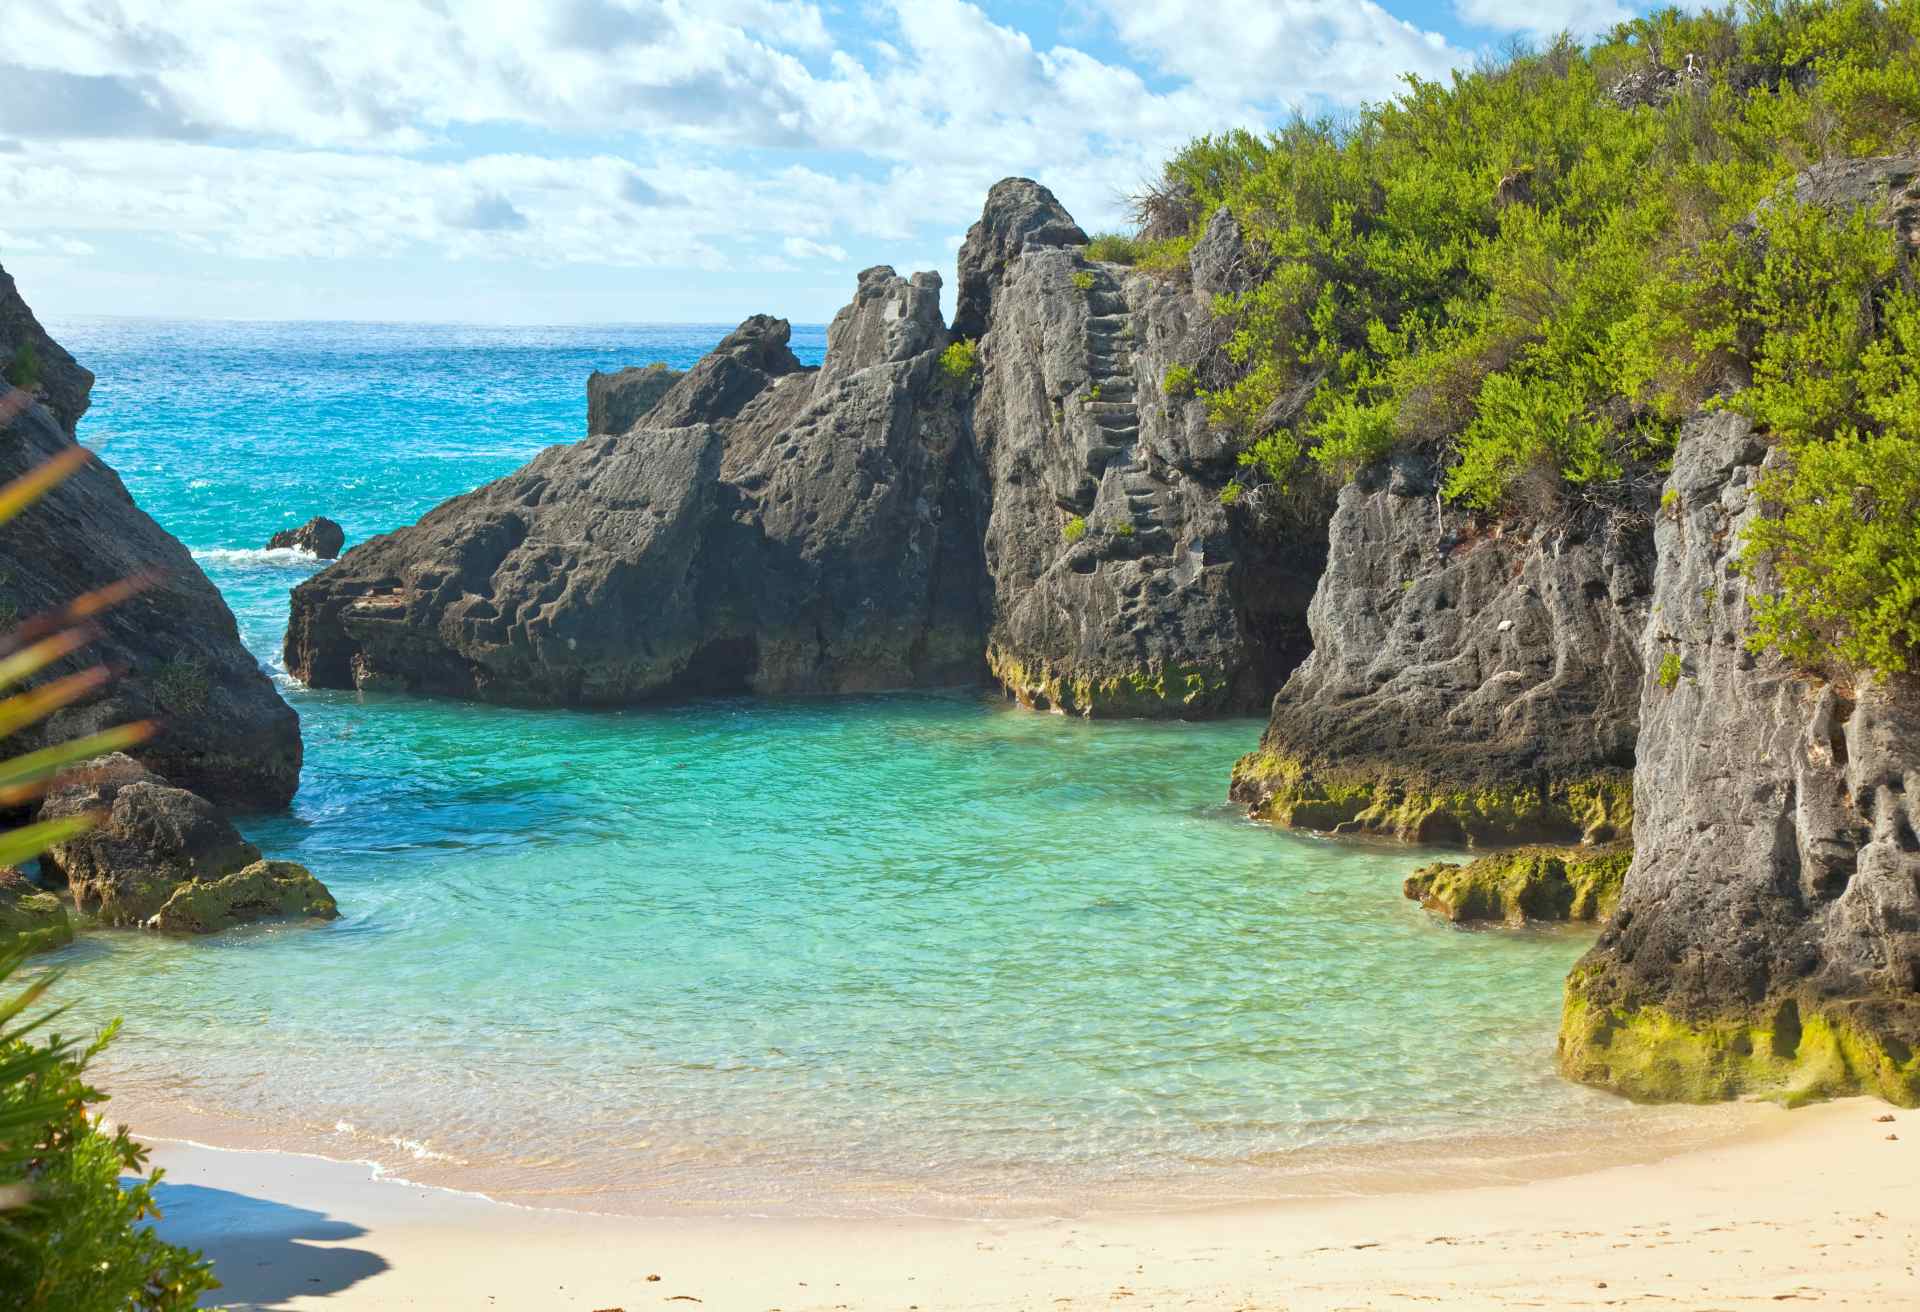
(264, 1253)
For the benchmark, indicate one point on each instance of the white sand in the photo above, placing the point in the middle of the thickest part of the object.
(1814, 1206)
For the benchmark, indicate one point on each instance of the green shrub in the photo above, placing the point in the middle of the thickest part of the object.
(23, 368)
(1074, 529)
(1231, 493)
(182, 685)
(81, 1243)
(960, 364)
(1178, 381)
(1123, 528)
(1083, 280)
(1670, 668)
(1114, 248)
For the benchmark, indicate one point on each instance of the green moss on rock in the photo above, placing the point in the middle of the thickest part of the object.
(1529, 883)
(1789, 1049)
(31, 916)
(262, 891)
(1152, 692)
(1360, 800)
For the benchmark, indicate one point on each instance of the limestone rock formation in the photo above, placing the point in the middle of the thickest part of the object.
(1527, 883)
(319, 536)
(222, 728)
(767, 528)
(1122, 585)
(1467, 683)
(901, 517)
(31, 917)
(156, 845)
(56, 379)
(1768, 936)
(619, 400)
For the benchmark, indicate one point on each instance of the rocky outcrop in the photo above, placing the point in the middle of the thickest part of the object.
(30, 917)
(155, 845)
(222, 728)
(37, 363)
(768, 528)
(1768, 936)
(1033, 501)
(1523, 884)
(1469, 682)
(1122, 584)
(619, 400)
(319, 536)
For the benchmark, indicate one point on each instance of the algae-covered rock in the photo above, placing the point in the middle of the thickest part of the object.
(1471, 681)
(1768, 934)
(30, 916)
(151, 838)
(1530, 883)
(262, 891)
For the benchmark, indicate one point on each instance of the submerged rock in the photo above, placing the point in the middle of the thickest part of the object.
(1529, 883)
(152, 843)
(265, 890)
(222, 728)
(1468, 683)
(319, 536)
(619, 400)
(31, 917)
(1768, 936)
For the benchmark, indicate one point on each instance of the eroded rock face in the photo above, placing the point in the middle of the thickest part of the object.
(319, 536)
(222, 728)
(767, 528)
(1466, 685)
(62, 386)
(1122, 585)
(1768, 937)
(619, 400)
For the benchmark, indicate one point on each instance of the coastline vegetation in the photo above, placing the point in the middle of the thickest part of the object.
(1539, 269)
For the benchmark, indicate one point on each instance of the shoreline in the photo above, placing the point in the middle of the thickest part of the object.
(1813, 1205)
(1618, 1134)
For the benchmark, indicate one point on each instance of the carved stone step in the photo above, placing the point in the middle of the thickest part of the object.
(1109, 323)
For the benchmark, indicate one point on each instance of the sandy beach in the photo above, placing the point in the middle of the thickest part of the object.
(1815, 1206)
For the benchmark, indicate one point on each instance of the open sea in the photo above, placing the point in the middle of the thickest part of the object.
(922, 954)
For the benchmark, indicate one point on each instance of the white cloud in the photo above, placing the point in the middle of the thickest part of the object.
(1543, 18)
(800, 248)
(698, 135)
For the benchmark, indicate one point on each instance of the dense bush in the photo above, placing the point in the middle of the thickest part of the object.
(1534, 270)
(75, 1241)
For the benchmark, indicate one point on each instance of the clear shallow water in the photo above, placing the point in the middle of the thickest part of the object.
(907, 953)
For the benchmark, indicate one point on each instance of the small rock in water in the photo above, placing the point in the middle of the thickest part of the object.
(319, 535)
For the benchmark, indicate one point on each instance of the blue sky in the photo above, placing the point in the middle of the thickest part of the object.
(580, 161)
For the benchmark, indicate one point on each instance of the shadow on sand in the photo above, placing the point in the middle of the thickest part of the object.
(264, 1252)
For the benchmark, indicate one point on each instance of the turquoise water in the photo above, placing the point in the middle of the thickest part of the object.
(896, 953)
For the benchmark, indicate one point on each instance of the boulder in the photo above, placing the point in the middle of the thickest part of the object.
(1471, 682)
(222, 728)
(319, 536)
(1523, 884)
(265, 890)
(1768, 935)
(619, 400)
(50, 375)
(767, 528)
(31, 917)
(151, 838)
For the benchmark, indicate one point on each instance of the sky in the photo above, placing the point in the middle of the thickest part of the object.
(622, 161)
